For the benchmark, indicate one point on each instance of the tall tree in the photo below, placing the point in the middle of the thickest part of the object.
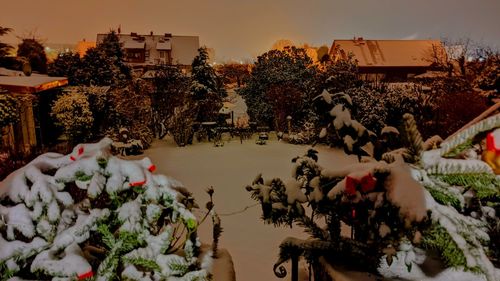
(101, 66)
(207, 87)
(171, 90)
(275, 72)
(112, 49)
(34, 52)
(133, 111)
(97, 69)
(67, 65)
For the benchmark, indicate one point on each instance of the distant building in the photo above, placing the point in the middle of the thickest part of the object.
(142, 50)
(35, 94)
(83, 46)
(390, 60)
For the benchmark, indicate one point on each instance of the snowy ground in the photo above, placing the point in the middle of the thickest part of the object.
(253, 245)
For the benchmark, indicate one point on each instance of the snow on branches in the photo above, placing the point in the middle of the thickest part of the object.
(92, 215)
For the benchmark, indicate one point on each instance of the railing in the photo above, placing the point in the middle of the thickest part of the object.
(343, 252)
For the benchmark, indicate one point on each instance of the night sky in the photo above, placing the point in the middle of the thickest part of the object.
(240, 29)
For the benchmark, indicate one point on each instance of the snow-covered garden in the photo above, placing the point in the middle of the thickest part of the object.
(178, 176)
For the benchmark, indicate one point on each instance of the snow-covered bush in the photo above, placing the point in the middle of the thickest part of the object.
(181, 124)
(71, 111)
(340, 75)
(307, 134)
(395, 210)
(8, 110)
(92, 215)
(341, 129)
(370, 198)
(376, 108)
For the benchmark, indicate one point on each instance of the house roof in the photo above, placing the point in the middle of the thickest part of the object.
(389, 53)
(31, 84)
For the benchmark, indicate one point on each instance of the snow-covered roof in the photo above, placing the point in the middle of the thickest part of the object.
(133, 45)
(389, 53)
(164, 45)
(31, 84)
(9, 72)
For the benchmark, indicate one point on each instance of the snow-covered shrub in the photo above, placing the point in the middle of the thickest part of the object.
(181, 124)
(340, 75)
(92, 215)
(341, 129)
(377, 107)
(306, 134)
(370, 198)
(8, 110)
(72, 112)
(396, 210)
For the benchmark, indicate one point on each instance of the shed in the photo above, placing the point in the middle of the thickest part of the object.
(34, 120)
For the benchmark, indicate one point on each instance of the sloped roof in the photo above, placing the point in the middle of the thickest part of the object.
(388, 53)
(31, 84)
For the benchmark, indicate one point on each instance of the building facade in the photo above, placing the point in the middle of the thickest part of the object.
(154, 49)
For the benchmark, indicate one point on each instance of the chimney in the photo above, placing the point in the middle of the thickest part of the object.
(359, 41)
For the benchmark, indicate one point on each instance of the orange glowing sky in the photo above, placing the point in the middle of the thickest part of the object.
(239, 29)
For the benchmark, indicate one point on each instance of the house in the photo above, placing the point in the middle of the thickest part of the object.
(390, 60)
(83, 46)
(143, 50)
(35, 95)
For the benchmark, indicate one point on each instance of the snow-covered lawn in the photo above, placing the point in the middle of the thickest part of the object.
(252, 244)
